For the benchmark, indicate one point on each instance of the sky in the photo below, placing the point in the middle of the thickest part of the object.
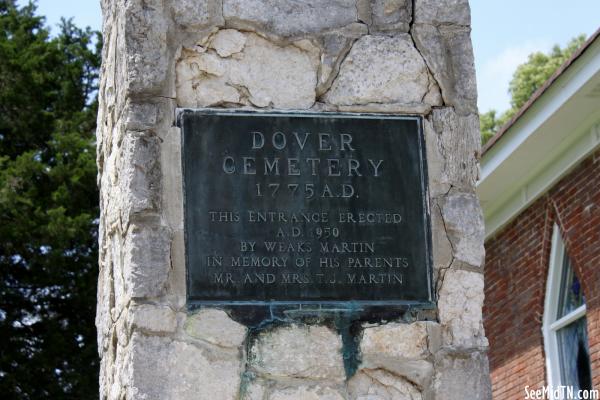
(504, 33)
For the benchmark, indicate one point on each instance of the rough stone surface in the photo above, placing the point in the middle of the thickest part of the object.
(462, 376)
(280, 77)
(396, 340)
(306, 393)
(299, 352)
(363, 9)
(103, 320)
(382, 69)
(419, 372)
(459, 306)
(215, 326)
(165, 369)
(207, 92)
(434, 336)
(145, 43)
(454, 151)
(146, 261)
(335, 47)
(141, 117)
(402, 349)
(139, 176)
(464, 223)
(391, 15)
(200, 81)
(289, 18)
(379, 384)
(265, 74)
(254, 390)
(438, 12)
(153, 318)
(228, 41)
(443, 256)
(197, 14)
(449, 55)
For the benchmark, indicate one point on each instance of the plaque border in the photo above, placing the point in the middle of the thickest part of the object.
(319, 306)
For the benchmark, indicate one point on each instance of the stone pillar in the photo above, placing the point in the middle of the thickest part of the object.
(374, 56)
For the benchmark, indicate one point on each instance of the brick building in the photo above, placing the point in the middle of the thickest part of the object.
(540, 191)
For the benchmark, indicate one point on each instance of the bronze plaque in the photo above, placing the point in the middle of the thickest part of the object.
(305, 208)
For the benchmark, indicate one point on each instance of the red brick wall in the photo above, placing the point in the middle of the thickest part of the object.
(515, 276)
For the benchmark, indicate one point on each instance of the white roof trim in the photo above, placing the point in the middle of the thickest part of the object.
(538, 150)
(531, 191)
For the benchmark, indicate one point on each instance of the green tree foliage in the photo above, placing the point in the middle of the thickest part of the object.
(48, 208)
(528, 77)
(539, 67)
(489, 123)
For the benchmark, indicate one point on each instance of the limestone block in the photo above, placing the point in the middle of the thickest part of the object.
(276, 76)
(110, 387)
(197, 14)
(306, 393)
(459, 309)
(103, 319)
(462, 376)
(434, 336)
(363, 9)
(378, 384)
(269, 75)
(120, 297)
(172, 196)
(381, 69)
(463, 220)
(162, 369)
(254, 390)
(104, 378)
(419, 372)
(453, 146)
(391, 15)
(449, 55)
(354, 31)
(437, 12)
(401, 349)
(141, 116)
(147, 261)
(335, 47)
(435, 161)
(120, 371)
(210, 64)
(398, 340)
(227, 42)
(145, 45)
(177, 282)
(215, 326)
(208, 92)
(200, 81)
(153, 318)
(312, 352)
(443, 256)
(139, 175)
(121, 328)
(289, 18)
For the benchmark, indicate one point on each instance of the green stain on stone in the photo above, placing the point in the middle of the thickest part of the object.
(349, 329)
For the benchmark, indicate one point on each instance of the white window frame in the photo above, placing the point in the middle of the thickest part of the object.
(550, 325)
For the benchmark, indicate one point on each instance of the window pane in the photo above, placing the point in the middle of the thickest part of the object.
(574, 355)
(571, 294)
